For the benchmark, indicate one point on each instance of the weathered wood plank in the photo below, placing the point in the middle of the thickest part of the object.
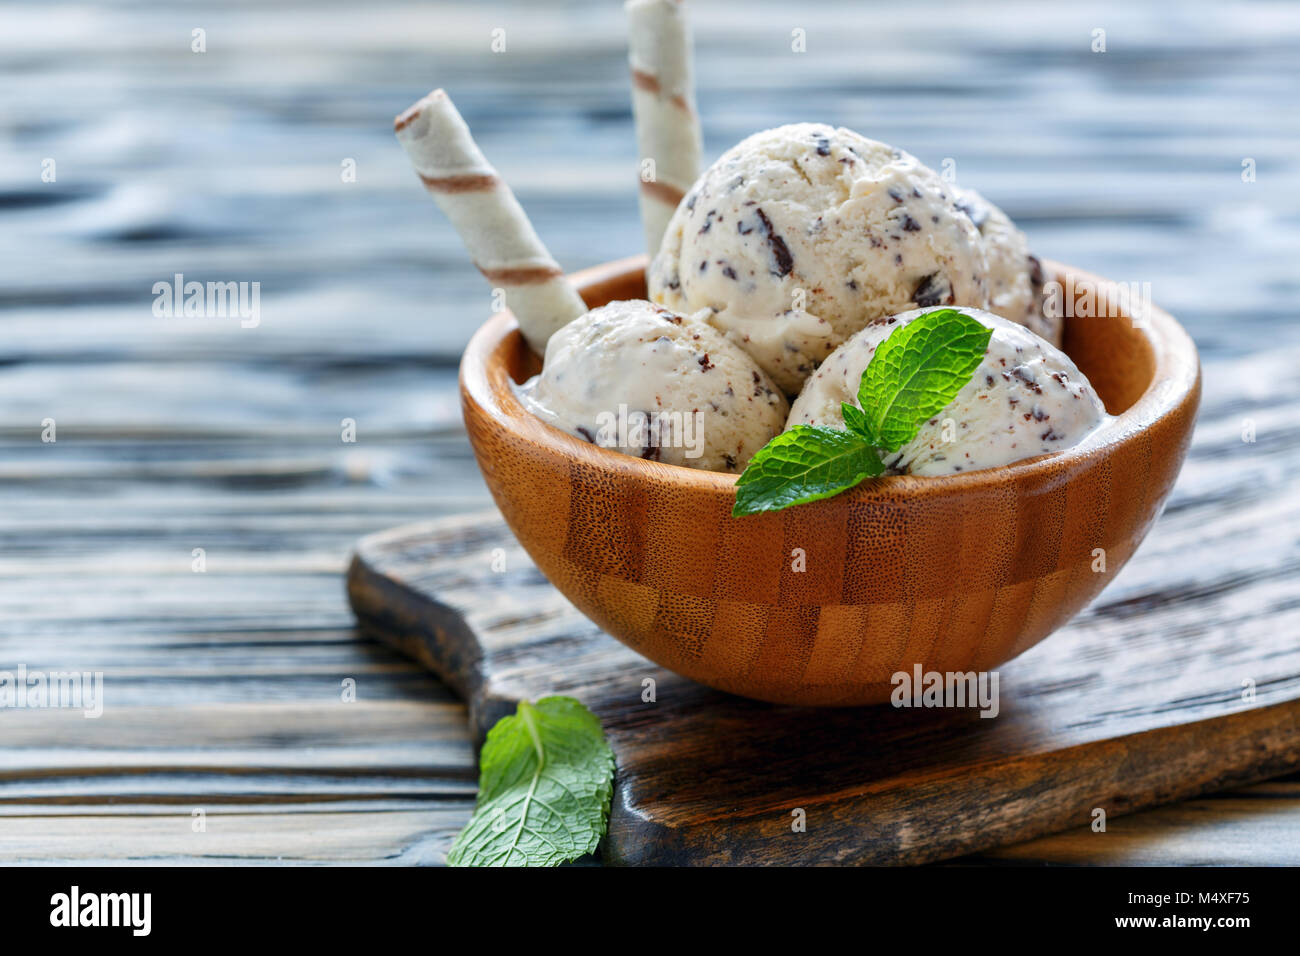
(1116, 717)
(260, 835)
(1254, 826)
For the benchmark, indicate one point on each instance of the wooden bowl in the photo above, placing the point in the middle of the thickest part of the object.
(956, 573)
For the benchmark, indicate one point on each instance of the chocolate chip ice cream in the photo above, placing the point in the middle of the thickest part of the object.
(1026, 399)
(644, 380)
(799, 236)
(1015, 275)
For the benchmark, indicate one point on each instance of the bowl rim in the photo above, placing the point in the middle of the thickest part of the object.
(1174, 382)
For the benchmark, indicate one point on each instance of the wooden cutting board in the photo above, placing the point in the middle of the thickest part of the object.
(1142, 699)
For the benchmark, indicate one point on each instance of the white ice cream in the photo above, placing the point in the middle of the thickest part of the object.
(649, 382)
(1015, 276)
(799, 236)
(1026, 399)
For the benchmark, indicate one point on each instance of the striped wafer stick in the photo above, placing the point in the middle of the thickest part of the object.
(663, 102)
(491, 223)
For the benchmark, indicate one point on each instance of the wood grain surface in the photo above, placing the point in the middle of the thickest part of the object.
(1085, 721)
(223, 688)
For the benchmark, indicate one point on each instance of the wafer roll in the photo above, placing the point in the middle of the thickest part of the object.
(491, 223)
(663, 102)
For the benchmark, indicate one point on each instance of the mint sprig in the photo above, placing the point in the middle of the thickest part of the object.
(914, 374)
(805, 464)
(546, 776)
(917, 371)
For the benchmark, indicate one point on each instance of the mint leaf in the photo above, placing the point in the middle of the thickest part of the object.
(855, 419)
(546, 776)
(806, 463)
(917, 372)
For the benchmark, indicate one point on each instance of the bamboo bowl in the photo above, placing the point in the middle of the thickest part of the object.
(956, 573)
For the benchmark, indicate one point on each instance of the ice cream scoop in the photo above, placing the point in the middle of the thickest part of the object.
(1015, 275)
(1027, 398)
(649, 382)
(799, 236)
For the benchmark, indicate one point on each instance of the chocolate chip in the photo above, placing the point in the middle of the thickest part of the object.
(934, 289)
(704, 362)
(910, 224)
(977, 212)
(780, 251)
(823, 147)
(1036, 272)
(1023, 373)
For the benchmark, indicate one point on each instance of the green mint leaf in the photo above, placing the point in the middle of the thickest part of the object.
(546, 776)
(806, 463)
(855, 419)
(917, 372)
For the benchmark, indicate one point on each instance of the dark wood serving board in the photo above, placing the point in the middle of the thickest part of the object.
(1138, 701)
